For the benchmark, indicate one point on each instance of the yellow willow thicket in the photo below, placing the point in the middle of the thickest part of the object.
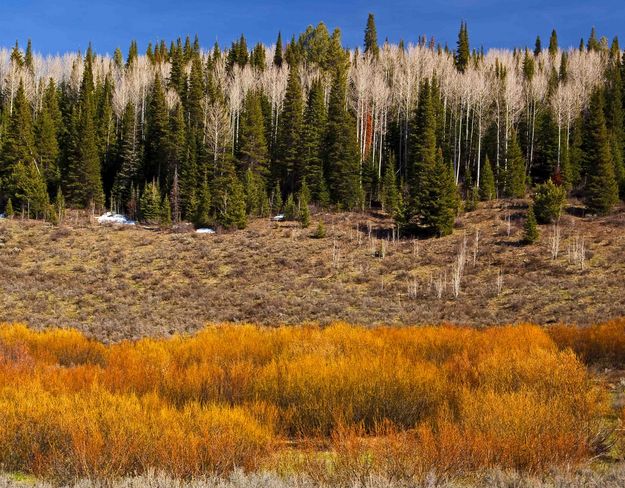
(602, 344)
(400, 400)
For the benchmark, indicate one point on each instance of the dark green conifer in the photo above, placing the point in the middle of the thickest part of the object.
(371, 37)
(601, 192)
(530, 227)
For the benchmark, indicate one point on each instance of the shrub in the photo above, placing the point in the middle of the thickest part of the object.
(320, 232)
(548, 202)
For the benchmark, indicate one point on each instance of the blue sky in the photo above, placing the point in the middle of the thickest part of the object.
(64, 25)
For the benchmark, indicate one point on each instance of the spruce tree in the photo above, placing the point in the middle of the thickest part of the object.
(150, 204)
(202, 217)
(615, 114)
(342, 154)
(253, 154)
(530, 227)
(463, 51)
(129, 161)
(538, 47)
(46, 137)
(515, 171)
(29, 188)
(315, 120)
(391, 197)
(8, 209)
(371, 38)
(156, 142)
(553, 43)
(487, 183)
(19, 140)
(84, 181)
(287, 167)
(277, 56)
(601, 191)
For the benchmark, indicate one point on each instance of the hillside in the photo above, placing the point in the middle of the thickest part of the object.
(117, 282)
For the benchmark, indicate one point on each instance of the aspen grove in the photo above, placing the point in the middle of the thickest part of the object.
(222, 135)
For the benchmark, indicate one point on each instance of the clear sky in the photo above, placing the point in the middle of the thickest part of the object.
(68, 25)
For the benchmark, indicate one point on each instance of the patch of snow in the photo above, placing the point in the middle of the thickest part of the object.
(112, 218)
(204, 230)
(2, 216)
(278, 218)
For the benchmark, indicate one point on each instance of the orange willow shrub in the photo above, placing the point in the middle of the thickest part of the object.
(398, 401)
(602, 344)
(96, 434)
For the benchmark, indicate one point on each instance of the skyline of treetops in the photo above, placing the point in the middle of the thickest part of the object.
(222, 135)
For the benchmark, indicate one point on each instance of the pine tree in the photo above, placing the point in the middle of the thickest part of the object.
(342, 156)
(287, 167)
(487, 183)
(304, 211)
(463, 51)
(315, 121)
(530, 227)
(371, 38)
(601, 192)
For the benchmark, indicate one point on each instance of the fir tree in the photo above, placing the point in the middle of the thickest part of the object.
(276, 199)
(601, 192)
(304, 211)
(530, 227)
(371, 38)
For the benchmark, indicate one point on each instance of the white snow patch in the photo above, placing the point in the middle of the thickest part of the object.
(2, 216)
(204, 230)
(112, 218)
(278, 218)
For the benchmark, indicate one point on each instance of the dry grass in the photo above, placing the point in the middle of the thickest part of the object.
(116, 283)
